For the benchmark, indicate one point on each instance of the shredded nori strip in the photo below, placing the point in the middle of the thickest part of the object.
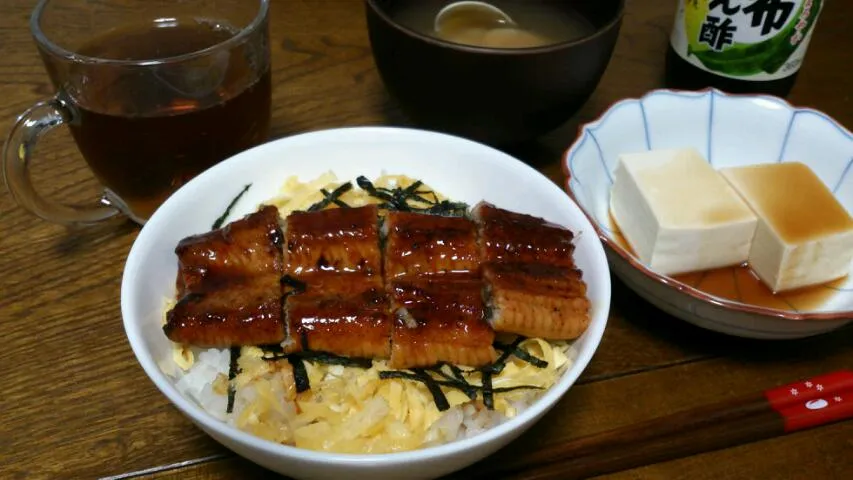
(500, 363)
(521, 354)
(399, 198)
(303, 339)
(434, 196)
(190, 298)
(275, 352)
(412, 193)
(329, 198)
(517, 387)
(463, 386)
(273, 349)
(380, 193)
(219, 221)
(233, 370)
(298, 286)
(413, 188)
(274, 356)
(457, 372)
(454, 380)
(488, 393)
(437, 395)
(447, 208)
(337, 201)
(300, 375)
(332, 359)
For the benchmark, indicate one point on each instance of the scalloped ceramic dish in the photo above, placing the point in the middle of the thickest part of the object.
(729, 130)
(461, 169)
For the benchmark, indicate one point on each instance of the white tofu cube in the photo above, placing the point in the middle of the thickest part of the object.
(804, 236)
(678, 214)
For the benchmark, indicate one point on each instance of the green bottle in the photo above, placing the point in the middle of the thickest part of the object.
(740, 46)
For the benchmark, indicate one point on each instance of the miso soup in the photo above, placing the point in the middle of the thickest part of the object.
(535, 22)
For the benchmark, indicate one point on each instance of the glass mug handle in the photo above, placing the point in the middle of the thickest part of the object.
(29, 127)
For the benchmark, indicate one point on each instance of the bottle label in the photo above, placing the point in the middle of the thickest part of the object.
(745, 39)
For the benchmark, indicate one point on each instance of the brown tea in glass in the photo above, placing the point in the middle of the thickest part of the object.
(161, 92)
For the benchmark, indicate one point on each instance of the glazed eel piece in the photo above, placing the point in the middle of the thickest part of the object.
(342, 308)
(228, 285)
(432, 273)
(532, 284)
(440, 320)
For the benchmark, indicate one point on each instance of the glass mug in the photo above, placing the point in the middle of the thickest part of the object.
(153, 91)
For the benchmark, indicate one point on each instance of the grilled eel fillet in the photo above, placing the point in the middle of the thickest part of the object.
(432, 274)
(507, 236)
(537, 300)
(420, 244)
(440, 320)
(528, 267)
(351, 324)
(344, 309)
(228, 285)
(332, 242)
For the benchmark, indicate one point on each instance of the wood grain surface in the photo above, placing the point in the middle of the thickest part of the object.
(75, 404)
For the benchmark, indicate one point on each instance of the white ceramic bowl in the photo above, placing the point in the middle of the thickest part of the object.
(729, 130)
(461, 169)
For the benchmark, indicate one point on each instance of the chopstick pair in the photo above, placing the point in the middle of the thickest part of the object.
(817, 401)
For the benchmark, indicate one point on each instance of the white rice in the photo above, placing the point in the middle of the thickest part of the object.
(197, 382)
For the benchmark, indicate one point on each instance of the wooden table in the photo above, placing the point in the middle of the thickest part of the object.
(76, 404)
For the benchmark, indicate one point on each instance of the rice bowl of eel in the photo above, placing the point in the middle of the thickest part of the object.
(482, 183)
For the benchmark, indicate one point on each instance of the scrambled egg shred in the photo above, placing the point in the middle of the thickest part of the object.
(352, 410)
(299, 195)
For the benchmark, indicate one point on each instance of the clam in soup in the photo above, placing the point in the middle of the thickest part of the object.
(526, 23)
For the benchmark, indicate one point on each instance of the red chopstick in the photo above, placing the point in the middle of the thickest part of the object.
(817, 401)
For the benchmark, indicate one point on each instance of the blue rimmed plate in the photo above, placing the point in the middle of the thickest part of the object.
(730, 130)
